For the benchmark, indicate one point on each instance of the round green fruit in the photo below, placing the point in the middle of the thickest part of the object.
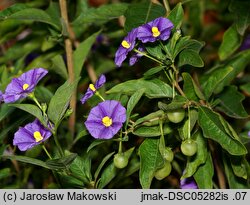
(164, 171)
(168, 154)
(120, 161)
(176, 116)
(189, 147)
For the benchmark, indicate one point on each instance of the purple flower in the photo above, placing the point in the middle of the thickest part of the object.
(31, 135)
(106, 119)
(188, 183)
(158, 29)
(126, 46)
(248, 133)
(20, 87)
(92, 88)
(1, 96)
(134, 58)
(246, 43)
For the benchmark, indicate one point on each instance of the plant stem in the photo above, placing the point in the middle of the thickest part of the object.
(70, 66)
(220, 174)
(189, 126)
(99, 95)
(46, 151)
(58, 144)
(120, 144)
(32, 96)
(167, 7)
(148, 56)
(166, 50)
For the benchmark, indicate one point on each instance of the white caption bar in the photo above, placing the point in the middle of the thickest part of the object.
(124, 196)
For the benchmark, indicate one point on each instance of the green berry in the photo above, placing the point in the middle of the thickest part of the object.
(189, 147)
(120, 160)
(168, 154)
(164, 171)
(176, 116)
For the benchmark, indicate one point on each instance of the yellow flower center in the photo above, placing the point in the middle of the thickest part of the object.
(126, 44)
(25, 86)
(92, 87)
(155, 31)
(106, 121)
(37, 135)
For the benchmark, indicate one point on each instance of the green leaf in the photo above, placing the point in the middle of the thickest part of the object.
(105, 159)
(154, 131)
(238, 63)
(232, 108)
(204, 174)
(107, 175)
(59, 66)
(133, 100)
(213, 129)
(154, 88)
(245, 88)
(191, 90)
(150, 119)
(233, 181)
(26, 160)
(78, 168)
(33, 110)
(43, 94)
(61, 163)
(189, 124)
(60, 101)
(181, 44)
(230, 43)
(81, 53)
(155, 50)
(199, 158)
(188, 50)
(12, 9)
(20, 49)
(69, 182)
(150, 161)
(153, 71)
(214, 80)
(4, 173)
(176, 16)
(95, 143)
(32, 14)
(138, 14)
(111, 171)
(239, 165)
(190, 57)
(242, 17)
(5, 111)
(101, 14)
(177, 103)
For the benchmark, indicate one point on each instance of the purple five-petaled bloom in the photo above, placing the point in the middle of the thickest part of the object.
(25, 84)
(126, 46)
(248, 133)
(31, 135)
(158, 29)
(106, 119)
(92, 88)
(188, 183)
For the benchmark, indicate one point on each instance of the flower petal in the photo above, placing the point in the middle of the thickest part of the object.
(111, 108)
(15, 91)
(24, 137)
(87, 95)
(100, 82)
